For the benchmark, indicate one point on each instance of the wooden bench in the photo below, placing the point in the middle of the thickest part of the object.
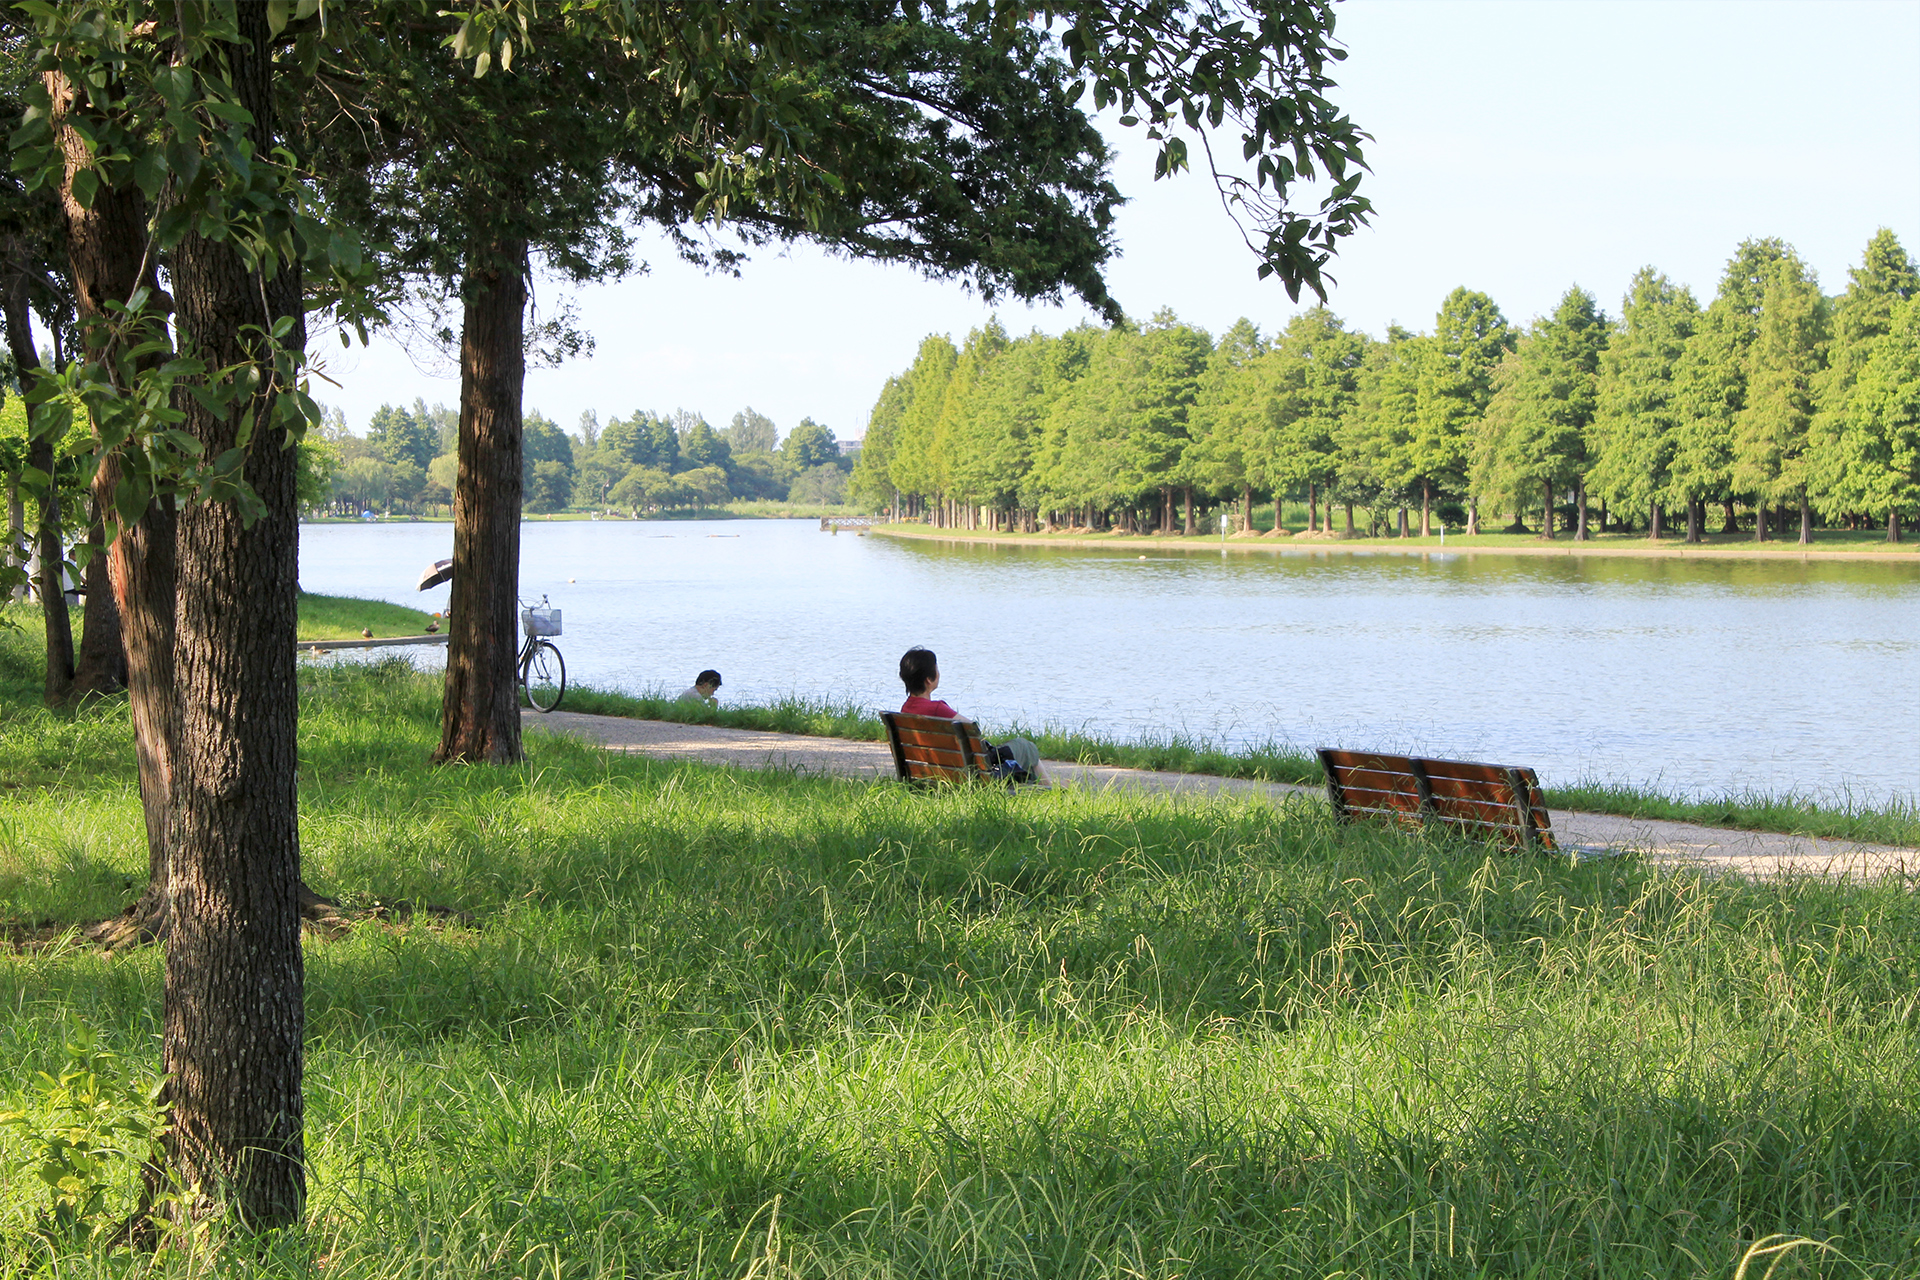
(1483, 800)
(932, 749)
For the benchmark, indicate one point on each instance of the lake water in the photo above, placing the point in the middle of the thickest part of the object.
(1693, 675)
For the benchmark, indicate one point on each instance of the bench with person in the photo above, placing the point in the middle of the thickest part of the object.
(932, 742)
(929, 749)
(1488, 801)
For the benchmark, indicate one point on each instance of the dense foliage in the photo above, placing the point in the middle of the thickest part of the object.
(646, 462)
(1772, 398)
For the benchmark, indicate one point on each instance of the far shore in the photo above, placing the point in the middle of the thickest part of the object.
(1497, 544)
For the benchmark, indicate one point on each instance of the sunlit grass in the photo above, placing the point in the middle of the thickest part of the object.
(725, 1023)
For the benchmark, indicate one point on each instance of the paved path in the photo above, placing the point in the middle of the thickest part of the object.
(1680, 843)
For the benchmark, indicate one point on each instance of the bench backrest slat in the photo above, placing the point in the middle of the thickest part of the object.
(1486, 799)
(929, 749)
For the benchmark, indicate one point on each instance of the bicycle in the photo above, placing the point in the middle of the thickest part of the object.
(543, 673)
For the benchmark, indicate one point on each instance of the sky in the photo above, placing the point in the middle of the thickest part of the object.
(1519, 147)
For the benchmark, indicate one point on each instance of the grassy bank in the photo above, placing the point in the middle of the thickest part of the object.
(1279, 762)
(719, 1023)
(1826, 543)
(345, 617)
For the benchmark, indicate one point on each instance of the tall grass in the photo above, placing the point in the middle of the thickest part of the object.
(726, 1023)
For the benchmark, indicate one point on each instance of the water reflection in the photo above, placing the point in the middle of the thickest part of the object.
(1701, 674)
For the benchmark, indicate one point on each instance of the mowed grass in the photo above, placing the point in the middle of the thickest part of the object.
(344, 617)
(721, 1023)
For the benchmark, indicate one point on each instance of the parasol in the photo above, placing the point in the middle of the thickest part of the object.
(436, 573)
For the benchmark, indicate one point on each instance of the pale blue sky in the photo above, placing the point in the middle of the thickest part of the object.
(1520, 146)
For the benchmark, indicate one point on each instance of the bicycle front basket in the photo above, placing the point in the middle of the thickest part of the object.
(540, 621)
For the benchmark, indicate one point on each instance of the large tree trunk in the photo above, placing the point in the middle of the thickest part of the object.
(1696, 518)
(1546, 510)
(1730, 522)
(480, 709)
(1760, 520)
(234, 1023)
(1473, 518)
(1653, 519)
(1426, 508)
(1187, 522)
(1893, 524)
(106, 253)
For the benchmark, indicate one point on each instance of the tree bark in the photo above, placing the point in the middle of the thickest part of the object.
(1696, 518)
(1760, 531)
(234, 1023)
(1653, 519)
(102, 664)
(1349, 519)
(106, 254)
(1426, 508)
(1731, 524)
(480, 710)
(1187, 524)
(1580, 509)
(1546, 511)
(1893, 524)
(1473, 517)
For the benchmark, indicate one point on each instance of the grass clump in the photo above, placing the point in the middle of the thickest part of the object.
(713, 1022)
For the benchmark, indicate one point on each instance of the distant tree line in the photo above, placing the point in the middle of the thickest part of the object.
(1775, 404)
(646, 462)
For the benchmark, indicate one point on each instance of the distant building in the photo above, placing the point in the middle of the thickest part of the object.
(850, 448)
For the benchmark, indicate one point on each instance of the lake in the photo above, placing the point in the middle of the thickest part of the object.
(1697, 676)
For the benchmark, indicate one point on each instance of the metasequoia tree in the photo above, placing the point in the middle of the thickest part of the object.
(1635, 415)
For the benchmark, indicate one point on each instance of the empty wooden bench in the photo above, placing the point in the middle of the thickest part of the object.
(1490, 801)
(930, 749)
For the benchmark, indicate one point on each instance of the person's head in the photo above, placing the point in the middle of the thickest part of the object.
(919, 670)
(707, 682)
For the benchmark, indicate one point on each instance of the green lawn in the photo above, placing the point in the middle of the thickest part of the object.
(722, 1023)
(344, 617)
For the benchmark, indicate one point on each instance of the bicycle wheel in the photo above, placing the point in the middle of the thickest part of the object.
(544, 676)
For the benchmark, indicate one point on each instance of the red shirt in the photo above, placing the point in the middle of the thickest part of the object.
(915, 705)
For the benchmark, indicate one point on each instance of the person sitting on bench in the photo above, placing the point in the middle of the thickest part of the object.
(920, 672)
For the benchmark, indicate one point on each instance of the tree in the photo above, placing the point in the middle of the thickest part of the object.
(1316, 366)
(1880, 443)
(702, 446)
(1536, 431)
(1862, 317)
(751, 432)
(1770, 433)
(398, 436)
(1710, 383)
(1635, 416)
(809, 445)
(871, 485)
(1470, 337)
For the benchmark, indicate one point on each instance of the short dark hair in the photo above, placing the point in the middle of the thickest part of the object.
(917, 667)
(709, 676)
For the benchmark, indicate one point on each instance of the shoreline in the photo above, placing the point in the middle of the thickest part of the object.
(1403, 546)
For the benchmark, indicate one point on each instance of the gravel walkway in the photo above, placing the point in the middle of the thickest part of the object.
(1756, 853)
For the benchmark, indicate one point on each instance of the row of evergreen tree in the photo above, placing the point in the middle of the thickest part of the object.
(1773, 400)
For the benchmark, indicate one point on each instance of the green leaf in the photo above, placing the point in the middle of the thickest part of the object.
(86, 182)
(278, 14)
